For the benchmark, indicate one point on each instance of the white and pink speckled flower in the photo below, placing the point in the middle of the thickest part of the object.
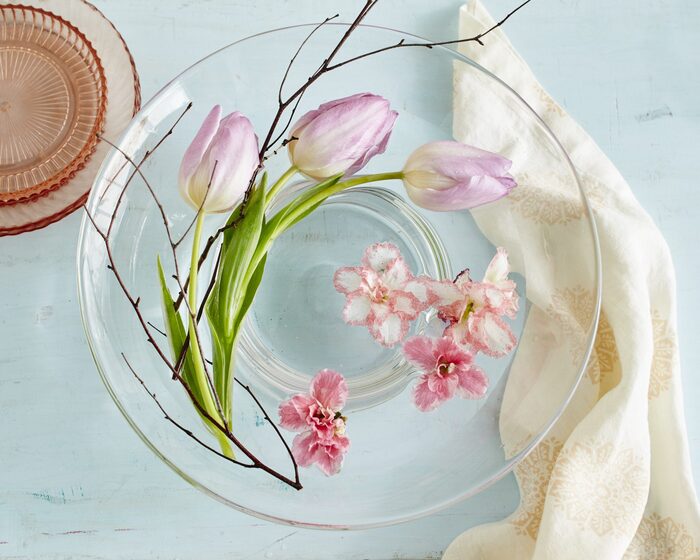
(382, 294)
(474, 311)
(317, 416)
(448, 368)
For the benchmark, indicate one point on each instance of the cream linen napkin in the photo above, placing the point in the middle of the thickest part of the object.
(612, 479)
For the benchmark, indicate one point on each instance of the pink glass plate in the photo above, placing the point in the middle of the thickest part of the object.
(53, 98)
(123, 101)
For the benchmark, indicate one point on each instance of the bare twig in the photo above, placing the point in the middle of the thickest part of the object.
(180, 426)
(269, 420)
(403, 43)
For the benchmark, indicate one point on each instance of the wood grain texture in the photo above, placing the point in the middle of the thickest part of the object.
(77, 483)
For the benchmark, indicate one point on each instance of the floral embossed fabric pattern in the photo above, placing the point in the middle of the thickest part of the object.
(612, 479)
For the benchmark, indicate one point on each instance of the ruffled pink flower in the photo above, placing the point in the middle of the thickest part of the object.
(317, 416)
(448, 368)
(474, 311)
(382, 294)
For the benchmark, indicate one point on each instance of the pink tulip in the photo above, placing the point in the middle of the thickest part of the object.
(341, 136)
(317, 416)
(217, 167)
(445, 176)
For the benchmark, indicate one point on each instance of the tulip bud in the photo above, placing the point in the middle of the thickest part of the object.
(444, 176)
(217, 167)
(341, 136)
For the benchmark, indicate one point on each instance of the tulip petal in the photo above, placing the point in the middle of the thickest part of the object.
(476, 191)
(234, 151)
(444, 176)
(196, 150)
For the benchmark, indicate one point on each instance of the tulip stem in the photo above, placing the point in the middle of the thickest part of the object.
(319, 197)
(274, 189)
(355, 181)
(209, 403)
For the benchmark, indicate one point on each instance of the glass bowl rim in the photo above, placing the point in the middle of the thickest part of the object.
(509, 463)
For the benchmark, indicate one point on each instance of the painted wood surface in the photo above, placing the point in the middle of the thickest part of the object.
(77, 483)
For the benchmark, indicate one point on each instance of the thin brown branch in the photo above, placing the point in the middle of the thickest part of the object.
(170, 419)
(403, 43)
(269, 420)
(296, 54)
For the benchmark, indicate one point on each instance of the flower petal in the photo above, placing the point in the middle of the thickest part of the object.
(305, 448)
(329, 457)
(473, 192)
(472, 381)
(378, 256)
(420, 351)
(405, 304)
(445, 293)
(330, 389)
(347, 279)
(489, 334)
(423, 397)
(450, 351)
(294, 412)
(357, 310)
(341, 136)
(420, 288)
(498, 268)
(396, 274)
(448, 299)
(194, 153)
(459, 332)
(389, 329)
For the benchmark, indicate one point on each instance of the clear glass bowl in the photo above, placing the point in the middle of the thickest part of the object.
(403, 464)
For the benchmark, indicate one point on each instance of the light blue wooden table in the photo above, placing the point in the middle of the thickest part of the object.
(76, 482)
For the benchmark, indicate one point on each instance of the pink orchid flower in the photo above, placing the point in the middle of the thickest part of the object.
(475, 310)
(448, 368)
(382, 294)
(317, 416)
